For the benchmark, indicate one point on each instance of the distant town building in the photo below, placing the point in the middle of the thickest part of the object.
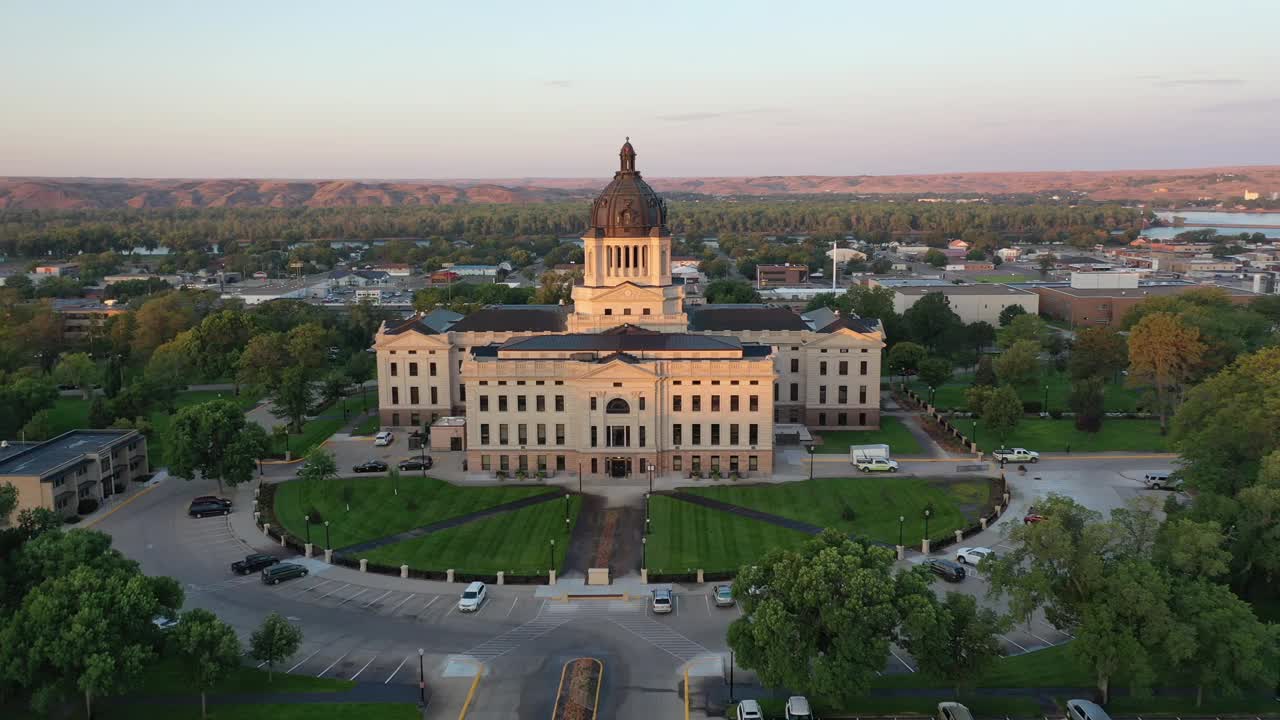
(980, 301)
(1250, 195)
(59, 270)
(957, 245)
(1008, 254)
(847, 255)
(786, 274)
(358, 278)
(370, 295)
(1084, 307)
(77, 465)
(488, 271)
(684, 261)
(83, 317)
(395, 269)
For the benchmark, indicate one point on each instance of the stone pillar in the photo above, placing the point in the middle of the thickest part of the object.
(973, 447)
(328, 555)
(306, 550)
(551, 577)
(257, 517)
(501, 578)
(255, 506)
(404, 571)
(364, 565)
(999, 509)
(266, 528)
(924, 546)
(959, 535)
(700, 575)
(902, 552)
(448, 575)
(1006, 497)
(983, 522)
(644, 576)
(282, 537)
(256, 490)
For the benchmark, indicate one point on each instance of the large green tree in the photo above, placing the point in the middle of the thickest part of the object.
(931, 322)
(905, 358)
(274, 641)
(1087, 401)
(1230, 650)
(1001, 412)
(1098, 352)
(953, 639)
(1019, 365)
(205, 649)
(77, 370)
(1164, 354)
(215, 440)
(292, 397)
(820, 619)
(731, 291)
(1024, 327)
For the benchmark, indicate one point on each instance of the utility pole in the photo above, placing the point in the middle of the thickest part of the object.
(833, 264)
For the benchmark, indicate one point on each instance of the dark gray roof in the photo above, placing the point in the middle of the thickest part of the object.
(413, 324)
(627, 340)
(46, 456)
(711, 318)
(514, 318)
(856, 324)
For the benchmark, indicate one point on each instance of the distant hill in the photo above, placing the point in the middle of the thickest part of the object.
(1227, 183)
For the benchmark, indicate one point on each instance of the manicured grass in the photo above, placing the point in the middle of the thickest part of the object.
(1051, 667)
(1048, 435)
(314, 432)
(69, 413)
(892, 433)
(1181, 705)
(307, 711)
(686, 537)
(1116, 397)
(166, 679)
(368, 426)
(1011, 278)
(516, 542)
(376, 511)
(876, 503)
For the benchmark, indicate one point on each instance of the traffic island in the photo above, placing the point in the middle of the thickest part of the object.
(578, 696)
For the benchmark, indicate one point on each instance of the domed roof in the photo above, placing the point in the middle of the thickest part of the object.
(628, 207)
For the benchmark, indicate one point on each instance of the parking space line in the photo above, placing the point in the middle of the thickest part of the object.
(334, 591)
(393, 672)
(335, 662)
(1046, 642)
(429, 604)
(353, 597)
(707, 598)
(366, 665)
(513, 606)
(295, 667)
(377, 599)
(406, 599)
(899, 659)
(1006, 639)
(313, 587)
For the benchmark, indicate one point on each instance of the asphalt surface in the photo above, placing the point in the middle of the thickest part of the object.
(369, 628)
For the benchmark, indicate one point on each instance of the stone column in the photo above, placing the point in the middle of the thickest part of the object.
(924, 546)
(700, 575)
(902, 552)
(364, 565)
(501, 578)
(644, 576)
(448, 575)
(306, 550)
(404, 571)
(551, 577)
(959, 535)
(328, 555)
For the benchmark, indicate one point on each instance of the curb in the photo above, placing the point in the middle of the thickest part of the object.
(106, 514)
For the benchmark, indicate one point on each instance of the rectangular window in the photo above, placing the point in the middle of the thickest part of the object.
(775, 392)
(486, 463)
(559, 433)
(540, 403)
(677, 434)
(542, 463)
(697, 433)
(822, 419)
(822, 368)
(695, 463)
(753, 403)
(523, 462)
(844, 367)
(484, 433)
(843, 394)
(676, 403)
(559, 462)
(484, 403)
(862, 394)
(521, 403)
(753, 434)
(715, 433)
(462, 393)
(435, 399)
(733, 403)
(413, 369)
(862, 368)
(542, 434)
(413, 395)
(822, 394)
(594, 466)
(595, 433)
(715, 403)
(733, 463)
(753, 462)
(559, 403)
(733, 434)
(697, 403)
(795, 392)
(431, 369)
(393, 370)
(642, 402)
(502, 403)
(862, 418)
(842, 419)
(795, 365)
(715, 463)
(642, 429)
(677, 463)
(503, 437)
(504, 463)
(395, 396)
(593, 404)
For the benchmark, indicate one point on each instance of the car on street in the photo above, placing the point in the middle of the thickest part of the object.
(212, 499)
(947, 570)
(205, 508)
(723, 595)
(473, 597)
(253, 563)
(973, 555)
(164, 622)
(1161, 481)
(282, 571)
(370, 466)
(1032, 517)
(953, 711)
(1016, 455)
(1085, 710)
(749, 710)
(416, 463)
(878, 465)
(662, 602)
(383, 438)
(798, 708)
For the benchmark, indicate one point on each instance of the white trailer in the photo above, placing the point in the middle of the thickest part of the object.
(866, 453)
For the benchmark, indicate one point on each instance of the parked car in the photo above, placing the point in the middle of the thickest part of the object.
(723, 595)
(253, 563)
(383, 438)
(662, 602)
(1085, 710)
(1161, 481)
(947, 570)
(370, 466)
(953, 711)
(798, 708)
(878, 465)
(212, 499)
(282, 571)
(472, 598)
(749, 710)
(416, 463)
(1032, 517)
(1016, 455)
(164, 622)
(973, 555)
(206, 508)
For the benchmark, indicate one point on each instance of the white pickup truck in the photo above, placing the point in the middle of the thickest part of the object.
(872, 458)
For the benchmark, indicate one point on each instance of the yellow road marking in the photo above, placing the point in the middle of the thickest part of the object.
(472, 692)
(136, 495)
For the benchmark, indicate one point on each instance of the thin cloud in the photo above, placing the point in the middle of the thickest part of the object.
(713, 114)
(1254, 105)
(1192, 81)
(559, 83)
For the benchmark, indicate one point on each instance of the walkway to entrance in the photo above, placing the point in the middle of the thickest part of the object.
(605, 537)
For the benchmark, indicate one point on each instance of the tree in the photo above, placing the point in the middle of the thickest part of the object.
(1098, 352)
(1024, 327)
(954, 640)
(976, 397)
(731, 291)
(22, 399)
(935, 371)
(935, 258)
(1001, 412)
(274, 641)
(981, 334)
(334, 386)
(1231, 650)
(1163, 354)
(976, 255)
(206, 649)
(881, 266)
(39, 427)
(1190, 549)
(986, 372)
(215, 440)
(556, 288)
(320, 466)
(1020, 364)
(1087, 402)
(263, 360)
(905, 358)
(292, 397)
(308, 346)
(716, 267)
(77, 370)
(161, 318)
(218, 340)
(8, 501)
(1047, 261)
(100, 414)
(1009, 313)
(930, 320)
(820, 618)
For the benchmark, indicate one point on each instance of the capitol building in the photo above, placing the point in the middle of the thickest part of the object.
(627, 380)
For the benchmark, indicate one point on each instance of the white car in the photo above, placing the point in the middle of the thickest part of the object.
(383, 438)
(662, 601)
(974, 555)
(878, 465)
(472, 598)
(749, 710)
(1016, 455)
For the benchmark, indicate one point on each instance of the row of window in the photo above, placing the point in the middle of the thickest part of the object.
(842, 367)
(695, 463)
(695, 434)
(695, 403)
(413, 369)
(522, 403)
(620, 435)
(522, 434)
(414, 397)
(677, 463)
(842, 393)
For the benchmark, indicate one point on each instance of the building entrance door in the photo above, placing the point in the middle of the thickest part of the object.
(619, 467)
(455, 443)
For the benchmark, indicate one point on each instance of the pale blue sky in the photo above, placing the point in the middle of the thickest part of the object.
(506, 89)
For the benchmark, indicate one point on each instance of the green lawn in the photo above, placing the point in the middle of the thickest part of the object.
(314, 432)
(376, 511)
(1117, 397)
(1048, 435)
(892, 433)
(516, 542)
(1010, 278)
(687, 537)
(876, 502)
(166, 679)
(368, 426)
(1051, 667)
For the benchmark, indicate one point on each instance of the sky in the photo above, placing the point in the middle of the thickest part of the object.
(487, 89)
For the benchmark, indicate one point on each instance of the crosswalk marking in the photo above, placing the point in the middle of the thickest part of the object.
(497, 647)
(660, 636)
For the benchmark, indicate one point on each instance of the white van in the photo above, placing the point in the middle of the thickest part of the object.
(798, 708)
(1085, 710)
(1158, 480)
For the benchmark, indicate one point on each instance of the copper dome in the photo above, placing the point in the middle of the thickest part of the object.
(628, 207)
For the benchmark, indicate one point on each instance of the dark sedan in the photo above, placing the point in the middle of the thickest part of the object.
(415, 464)
(253, 563)
(370, 466)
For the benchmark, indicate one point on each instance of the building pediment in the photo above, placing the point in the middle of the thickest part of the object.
(410, 339)
(619, 369)
(630, 291)
(845, 337)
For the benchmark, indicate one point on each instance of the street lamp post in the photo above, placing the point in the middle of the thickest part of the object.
(926, 523)
(644, 553)
(811, 450)
(901, 519)
(931, 389)
(307, 520)
(730, 676)
(973, 438)
(1046, 398)
(327, 544)
(651, 479)
(422, 680)
(552, 554)
(579, 478)
(423, 447)
(566, 509)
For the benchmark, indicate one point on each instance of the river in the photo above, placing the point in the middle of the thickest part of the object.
(1217, 218)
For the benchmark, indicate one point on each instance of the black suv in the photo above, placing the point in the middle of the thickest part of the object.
(205, 508)
(953, 572)
(415, 464)
(370, 466)
(212, 499)
(283, 571)
(253, 563)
